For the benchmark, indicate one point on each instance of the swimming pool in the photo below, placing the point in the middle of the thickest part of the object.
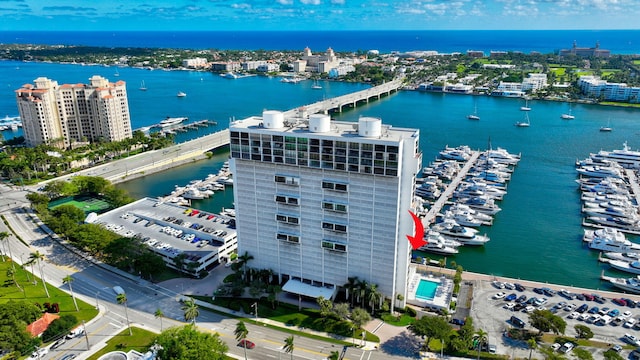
(426, 289)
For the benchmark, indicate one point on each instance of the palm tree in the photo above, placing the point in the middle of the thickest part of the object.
(191, 311)
(68, 280)
(3, 236)
(122, 299)
(373, 295)
(482, 338)
(159, 315)
(38, 258)
(288, 345)
(241, 333)
(30, 262)
(350, 287)
(244, 259)
(335, 355)
(11, 273)
(532, 344)
(362, 291)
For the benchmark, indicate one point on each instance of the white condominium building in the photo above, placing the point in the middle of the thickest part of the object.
(320, 201)
(62, 115)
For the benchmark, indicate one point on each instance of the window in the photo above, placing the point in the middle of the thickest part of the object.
(286, 200)
(334, 186)
(334, 227)
(332, 245)
(289, 180)
(289, 238)
(291, 220)
(327, 205)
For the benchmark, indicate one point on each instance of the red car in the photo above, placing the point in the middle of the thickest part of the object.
(246, 343)
(620, 302)
(588, 296)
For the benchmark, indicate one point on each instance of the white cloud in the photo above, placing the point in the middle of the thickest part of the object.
(310, 2)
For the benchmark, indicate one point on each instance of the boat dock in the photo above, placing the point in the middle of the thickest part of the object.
(633, 182)
(224, 173)
(430, 217)
(186, 126)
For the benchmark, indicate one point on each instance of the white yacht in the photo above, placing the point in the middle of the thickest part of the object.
(465, 209)
(626, 158)
(502, 156)
(600, 171)
(631, 285)
(608, 239)
(630, 267)
(482, 204)
(460, 153)
(194, 194)
(451, 228)
(464, 219)
(622, 224)
(181, 94)
(628, 256)
(169, 121)
(436, 243)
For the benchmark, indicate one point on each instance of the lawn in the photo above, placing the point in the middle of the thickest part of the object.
(140, 341)
(636, 62)
(559, 71)
(36, 293)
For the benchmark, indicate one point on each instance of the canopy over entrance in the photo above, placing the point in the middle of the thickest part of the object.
(299, 288)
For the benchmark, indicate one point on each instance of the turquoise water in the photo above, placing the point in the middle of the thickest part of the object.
(426, 290)
(536, 236)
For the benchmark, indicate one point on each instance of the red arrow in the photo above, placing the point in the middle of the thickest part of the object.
(417, 240)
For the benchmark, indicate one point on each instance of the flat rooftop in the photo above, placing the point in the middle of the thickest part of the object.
(299, 127)
(162, 226)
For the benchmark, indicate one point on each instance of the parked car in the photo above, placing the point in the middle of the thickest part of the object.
(519, 287)
(614, 312)
(517, 322)
(630, 323)
(631, 339)
(566, 348)
(459, 322)
(619, 301)
(593, 310)
(511, 297)
(246, 343)
(582, 308)
(509, 286)
(631, 303)
(498, 284)
(599, 299)
(538, 291)
(521, 299)
(588, 297)
(39, 353)
(499, 295)
(58, 343)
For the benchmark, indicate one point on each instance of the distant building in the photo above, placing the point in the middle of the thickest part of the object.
(341, 70)
(475, 53)
(534, 82)
(252, 65)
(195, 63)
(268, 67)
(321, 201)
(508, 89)
(316, 63)
(225, 66)
(73, 113)
(594, 87)
(586, 52)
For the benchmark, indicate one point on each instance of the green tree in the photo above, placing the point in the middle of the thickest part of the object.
(38, 257)
(582, 354)
(341, 310)
(4, 239)
(359, 317)
(243, 260)
(545, 321)
(289, 346)
(612, 355)
(334, 355)
(326, 307)
(481, 338)
(531, 344)
(159, 314)
(68, 280)
(431, 327)
(122, 300)
(186, 343)
(583, 331)
(241, 334)
(190, 310)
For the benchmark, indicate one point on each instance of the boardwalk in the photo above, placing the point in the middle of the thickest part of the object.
(448, 192)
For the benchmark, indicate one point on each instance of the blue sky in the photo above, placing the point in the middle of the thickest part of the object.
(318, 14)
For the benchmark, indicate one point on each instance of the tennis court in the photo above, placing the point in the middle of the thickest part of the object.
(84, 203)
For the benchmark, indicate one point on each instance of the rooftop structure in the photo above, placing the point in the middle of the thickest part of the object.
(586, 52)
(321, 201)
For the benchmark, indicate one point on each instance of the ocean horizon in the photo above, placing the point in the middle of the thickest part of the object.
(385, 41)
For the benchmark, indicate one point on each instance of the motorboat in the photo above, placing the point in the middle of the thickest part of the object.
(181, 94)
(194, 194)
(615, 211)
(594, 196)
(501, 155)
(615, 222)
(169, 121)
(628, 256)
(446, 169)
(482, 204)
(608, 239)
(452, 229)
(605, 186)
(600, 171)
(230, 75)
(464, 219)
(465, 209)
(471, 189)
(436, 243)
(631, 285)
(476, 240)
(428, 190)
(460, 153)
(630, 267)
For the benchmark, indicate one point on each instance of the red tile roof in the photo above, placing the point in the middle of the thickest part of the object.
(39, 326)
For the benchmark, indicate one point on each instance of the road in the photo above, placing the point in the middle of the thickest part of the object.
(93, 284)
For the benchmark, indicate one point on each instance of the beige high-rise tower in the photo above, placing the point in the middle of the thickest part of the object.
(64, 115)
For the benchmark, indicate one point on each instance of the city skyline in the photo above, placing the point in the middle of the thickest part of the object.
(322, 15)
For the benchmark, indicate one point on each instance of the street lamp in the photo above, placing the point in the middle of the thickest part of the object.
(255, 310)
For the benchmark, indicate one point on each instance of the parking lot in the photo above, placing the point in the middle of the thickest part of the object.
(494, 306)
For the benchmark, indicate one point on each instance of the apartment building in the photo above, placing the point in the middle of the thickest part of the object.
(64, 115)
(319, 201)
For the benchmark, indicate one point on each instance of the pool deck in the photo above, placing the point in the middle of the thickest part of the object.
(442, 295)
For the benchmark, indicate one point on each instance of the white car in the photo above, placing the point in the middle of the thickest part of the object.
(509, 286)
(584, 317)
(555, 346)
(570, 307)
(499, 295)
(631, 339)
(626, 314)
(509, 306)
(630, 322)
(498, 284)
(39, 353)
(529, 309)
(574, 315)
(566, 348)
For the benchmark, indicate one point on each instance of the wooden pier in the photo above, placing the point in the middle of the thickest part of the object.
(430, 217)
(223, 173)
(633, 182)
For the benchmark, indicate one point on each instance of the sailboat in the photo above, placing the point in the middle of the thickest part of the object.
(116, 74)
(524, 123)
(474, 116)
(568, 116)
(181, 94)
(526, 105)
(142, 86)
(606, 128)
(316, 86)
